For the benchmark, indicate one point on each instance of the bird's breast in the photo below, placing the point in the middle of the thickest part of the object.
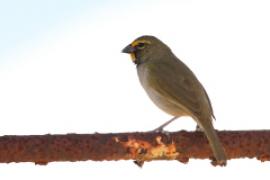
(159, 99)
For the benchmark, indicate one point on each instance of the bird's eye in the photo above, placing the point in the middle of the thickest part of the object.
(141, 45)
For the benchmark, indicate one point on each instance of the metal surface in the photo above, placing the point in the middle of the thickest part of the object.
(139, 146)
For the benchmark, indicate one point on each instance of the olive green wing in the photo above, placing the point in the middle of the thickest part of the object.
(180, 86)
(210, 105)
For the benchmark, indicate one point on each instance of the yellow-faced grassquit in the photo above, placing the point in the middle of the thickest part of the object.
(173, 87)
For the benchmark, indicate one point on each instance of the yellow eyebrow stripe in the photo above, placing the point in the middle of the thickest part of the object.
(135, 43)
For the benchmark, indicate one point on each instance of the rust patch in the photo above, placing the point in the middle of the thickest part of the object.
(144, 151)
(139, 146)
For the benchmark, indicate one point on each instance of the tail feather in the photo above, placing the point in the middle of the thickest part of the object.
(214, 142)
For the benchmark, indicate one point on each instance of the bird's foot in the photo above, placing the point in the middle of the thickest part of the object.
(215, 162)
(161, 130)
(139, 163)
(158, 130)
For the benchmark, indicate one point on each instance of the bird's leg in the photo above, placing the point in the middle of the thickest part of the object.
(157, 130)
(160, 128)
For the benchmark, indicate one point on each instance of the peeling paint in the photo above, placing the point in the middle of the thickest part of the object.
(143, 150)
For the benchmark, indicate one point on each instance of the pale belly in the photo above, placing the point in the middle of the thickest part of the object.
(159, 100)
(163, 103)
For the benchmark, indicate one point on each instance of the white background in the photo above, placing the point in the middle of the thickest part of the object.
(71, 77)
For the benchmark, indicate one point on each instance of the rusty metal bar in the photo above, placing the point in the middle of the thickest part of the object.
(139, 146)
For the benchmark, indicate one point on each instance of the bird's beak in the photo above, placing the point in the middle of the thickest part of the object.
(129, 49)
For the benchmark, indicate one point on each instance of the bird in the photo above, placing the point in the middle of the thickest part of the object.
(174, 88)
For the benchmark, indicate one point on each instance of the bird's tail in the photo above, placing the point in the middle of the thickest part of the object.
(214, 142)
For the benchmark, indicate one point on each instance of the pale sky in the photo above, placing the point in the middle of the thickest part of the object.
(62, 71)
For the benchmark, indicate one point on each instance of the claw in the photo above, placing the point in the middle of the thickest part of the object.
(214, 162)
(158, 130)
(139, 163)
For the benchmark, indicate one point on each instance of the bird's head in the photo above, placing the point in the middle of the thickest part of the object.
(145, 48)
